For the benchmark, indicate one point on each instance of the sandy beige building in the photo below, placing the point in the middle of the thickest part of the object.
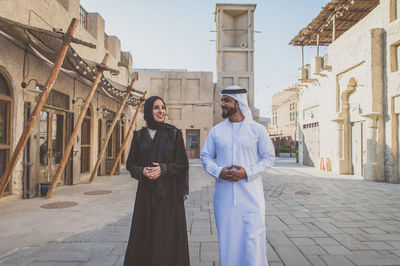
(189, 99)
(235, 51)
(283, 128)
(20, 63)
(349, 101)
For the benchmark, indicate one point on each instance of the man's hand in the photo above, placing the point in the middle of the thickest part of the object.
(226, 173)
(233, 175)
(152, 172)
(238, 174)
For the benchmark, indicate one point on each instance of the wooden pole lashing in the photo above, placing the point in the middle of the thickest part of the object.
(127, 136)
(109, 132)
(78, 125)
(39, 106)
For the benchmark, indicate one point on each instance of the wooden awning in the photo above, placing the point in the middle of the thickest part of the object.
(343, 13)
(46, 44)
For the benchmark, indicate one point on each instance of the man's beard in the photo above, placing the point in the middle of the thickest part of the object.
(229, 112)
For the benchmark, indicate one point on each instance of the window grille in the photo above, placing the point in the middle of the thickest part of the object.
(83, 17)
(58, 100)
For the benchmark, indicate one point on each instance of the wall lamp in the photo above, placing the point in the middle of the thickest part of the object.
(101, 108)
(77, 99)
(37, 88)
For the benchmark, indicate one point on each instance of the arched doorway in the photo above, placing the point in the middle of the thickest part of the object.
(5, 126)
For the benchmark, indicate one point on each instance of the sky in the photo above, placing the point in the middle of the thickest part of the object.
(178, 34)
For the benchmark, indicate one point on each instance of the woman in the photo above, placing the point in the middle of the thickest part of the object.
(158, 160)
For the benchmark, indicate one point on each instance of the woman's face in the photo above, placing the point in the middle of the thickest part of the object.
(159, 111)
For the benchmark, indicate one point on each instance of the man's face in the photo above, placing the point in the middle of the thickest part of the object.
(228, 106)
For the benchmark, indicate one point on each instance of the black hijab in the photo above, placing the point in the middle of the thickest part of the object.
(148, 115)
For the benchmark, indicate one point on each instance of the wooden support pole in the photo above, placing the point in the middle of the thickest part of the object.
(109, 132)
(334, 28)
(39, 106)
(127, 135)
(302, 56)
(317, 44)
(78, 125)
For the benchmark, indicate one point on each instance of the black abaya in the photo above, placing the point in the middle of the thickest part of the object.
(158, 234)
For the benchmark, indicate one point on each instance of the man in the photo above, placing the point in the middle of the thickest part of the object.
(243, 152)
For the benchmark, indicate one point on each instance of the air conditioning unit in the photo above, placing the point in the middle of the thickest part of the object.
(243, 45)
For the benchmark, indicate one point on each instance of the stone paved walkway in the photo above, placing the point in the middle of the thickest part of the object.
(313, 218)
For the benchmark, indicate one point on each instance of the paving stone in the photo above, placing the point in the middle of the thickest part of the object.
(209, 255)
(278, 238)
(297, 227)
(276, 264)
(271, 254)
(194, 253)
(315, 260)
(336, 260)
(64, 256)
(102, 261)
(378, 245)
(290, 255)
(200, 231)
(305, 234)
(77, 246)
(289, 219)
(328, 228)
(350, 242)
(55, 263)
(120, 261)
(326, 241)
(374, 259)
(274, 223)
(211, 245)
(312, 250)
(119, 249)
(303, 241)
(336, 250)
(102, 247)
(372, 230)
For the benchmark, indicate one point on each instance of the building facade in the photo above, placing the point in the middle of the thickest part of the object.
(189, 99)
(350, 98)
(283, 128)
(22, 71)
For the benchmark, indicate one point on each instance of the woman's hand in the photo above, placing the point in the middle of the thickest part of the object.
(152, 172)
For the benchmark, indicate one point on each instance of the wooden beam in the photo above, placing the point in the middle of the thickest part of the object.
(127, 136)
(39, 106)
(109, 132)
(78, 125)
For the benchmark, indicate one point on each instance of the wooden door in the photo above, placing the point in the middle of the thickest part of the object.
(311, 144)
(357, 148)
(52, 143)
(112, 146)
(5, 137)
(193, 143)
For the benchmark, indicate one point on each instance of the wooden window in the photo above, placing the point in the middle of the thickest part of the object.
(86, 142)
(83, 17)
(394, 56)
(5, 127)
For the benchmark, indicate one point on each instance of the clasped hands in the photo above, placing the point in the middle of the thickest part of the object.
(233, 175)
(152, 172)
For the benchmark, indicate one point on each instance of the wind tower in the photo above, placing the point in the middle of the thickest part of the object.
(235, 51)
